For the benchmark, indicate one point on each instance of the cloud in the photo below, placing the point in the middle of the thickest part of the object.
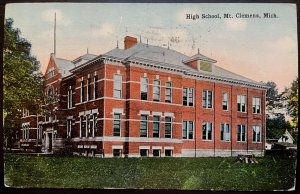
(105, 30)
(61, 19)
(284, 44)
(235, 24)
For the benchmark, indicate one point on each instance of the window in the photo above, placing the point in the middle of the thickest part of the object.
(39, 132)
(241, 103)
(191, 97)
(144, 152)
(168, 127)
(70, 98)
(144, 126)
(82, 91)
(51, 72)
(88, 125)
(225, 132)
(95, 124)
(51, 94)
(117, 152)
(207, 99)
(26, 132)
(117, 125)
(188, 130)
(156, 153)
(25, 112)
(168, 153)
(144, 88)
(69, 127)
(256, 105)
(241, 133)
(96, 87)
(168, 92)
(188, 97)
(117, 86)
(156, 90)
(256, 133)
(225, 101)
(207, 131)
(156, 126)
(82, 126)
(89, 89)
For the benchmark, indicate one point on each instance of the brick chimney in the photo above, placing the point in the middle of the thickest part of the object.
(129, 42)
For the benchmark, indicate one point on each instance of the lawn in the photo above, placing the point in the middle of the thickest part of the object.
(150, 173)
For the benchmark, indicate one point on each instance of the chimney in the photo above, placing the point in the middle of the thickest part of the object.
(129, 42)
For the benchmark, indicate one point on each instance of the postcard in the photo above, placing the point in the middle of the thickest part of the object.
(184, 96)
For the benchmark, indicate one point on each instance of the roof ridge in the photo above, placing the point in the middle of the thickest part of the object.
(236, 74)
(63, 59)
(164, 48)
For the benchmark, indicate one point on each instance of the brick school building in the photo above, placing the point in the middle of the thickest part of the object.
(146, 101)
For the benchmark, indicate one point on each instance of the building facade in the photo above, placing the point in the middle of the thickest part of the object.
(146, 100)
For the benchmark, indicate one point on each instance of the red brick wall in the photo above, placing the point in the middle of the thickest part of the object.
(131, 105)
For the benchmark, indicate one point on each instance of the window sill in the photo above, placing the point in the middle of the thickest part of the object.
(256, 142)
(241, 141)
(243, 115)
(224, 141)
(257, 116)
(207, 140)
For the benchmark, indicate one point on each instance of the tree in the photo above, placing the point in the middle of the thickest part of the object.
(22, 80)
(275, 118)
(276, 126)
(273, 98)
(292, 106)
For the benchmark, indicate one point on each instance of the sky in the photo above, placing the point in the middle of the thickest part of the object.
(262, 49)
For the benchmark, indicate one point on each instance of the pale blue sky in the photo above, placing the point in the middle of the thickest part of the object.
(261, 49)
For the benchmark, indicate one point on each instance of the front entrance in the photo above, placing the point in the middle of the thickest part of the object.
(49, 141)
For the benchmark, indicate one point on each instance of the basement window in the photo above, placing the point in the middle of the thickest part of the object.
(168, 153)
(144, 152)
(117, 152)
(156, 153)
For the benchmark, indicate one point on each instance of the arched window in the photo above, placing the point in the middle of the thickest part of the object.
(50, 94)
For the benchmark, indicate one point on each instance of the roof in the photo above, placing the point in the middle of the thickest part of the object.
(200, 57)
(287, 134)
(172, 58)
(85, 57)
(286, 145)
(64, 66)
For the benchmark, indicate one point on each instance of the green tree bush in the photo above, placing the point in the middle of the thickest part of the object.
(22, 80)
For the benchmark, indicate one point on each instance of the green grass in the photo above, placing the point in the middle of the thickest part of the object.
(149, 173)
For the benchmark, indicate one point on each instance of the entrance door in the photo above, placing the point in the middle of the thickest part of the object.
(48, 145)
(50, 142)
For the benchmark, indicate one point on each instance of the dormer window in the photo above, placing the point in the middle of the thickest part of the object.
(204, 66)
(200, 62)
(51, 72)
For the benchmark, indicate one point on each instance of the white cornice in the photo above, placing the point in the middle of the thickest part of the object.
(166, 67)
